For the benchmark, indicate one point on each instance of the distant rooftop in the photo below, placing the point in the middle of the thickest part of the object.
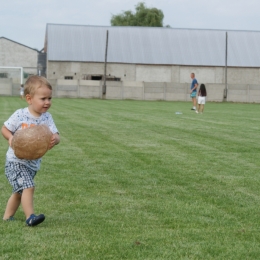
(1, 37)
(152, 45)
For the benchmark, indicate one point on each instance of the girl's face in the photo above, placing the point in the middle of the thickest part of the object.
(40, 102)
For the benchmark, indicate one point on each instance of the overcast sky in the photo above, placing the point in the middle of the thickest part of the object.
(25, 21)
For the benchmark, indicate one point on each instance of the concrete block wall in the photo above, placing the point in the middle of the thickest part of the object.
(154, 73)
(6, 87)
(154, 91)
(133, 90)
(177, 92)
(67, 88)
(114, 90)
(244, 93)
(215, 92)
(90, 89)
(238, 93)
(254, 94)
(167, 91)
(137, 90)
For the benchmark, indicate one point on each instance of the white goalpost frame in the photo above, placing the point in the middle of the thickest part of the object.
(21, 68)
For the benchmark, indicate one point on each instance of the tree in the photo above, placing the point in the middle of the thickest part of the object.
(144, 16)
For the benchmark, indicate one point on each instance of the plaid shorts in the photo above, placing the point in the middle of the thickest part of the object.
(19, 176)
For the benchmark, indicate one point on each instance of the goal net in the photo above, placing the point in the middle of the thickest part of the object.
(11, 79)
(14, 73)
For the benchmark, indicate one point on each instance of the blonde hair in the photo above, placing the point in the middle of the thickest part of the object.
(33, 83)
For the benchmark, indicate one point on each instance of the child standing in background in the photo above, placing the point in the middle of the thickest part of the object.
(21, 91)
(201, 98)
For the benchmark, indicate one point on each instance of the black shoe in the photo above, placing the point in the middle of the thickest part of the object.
(34, 220)
(193, 109)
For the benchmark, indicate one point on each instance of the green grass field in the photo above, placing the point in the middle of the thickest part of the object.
(133, 180)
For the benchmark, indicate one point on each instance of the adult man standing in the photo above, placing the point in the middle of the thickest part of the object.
(193, 90)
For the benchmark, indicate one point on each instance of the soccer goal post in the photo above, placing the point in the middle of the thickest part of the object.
(15, 73)
(11, 79)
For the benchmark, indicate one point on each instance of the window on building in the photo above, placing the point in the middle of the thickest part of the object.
(68, 77)
(3, 75)
(96, 77)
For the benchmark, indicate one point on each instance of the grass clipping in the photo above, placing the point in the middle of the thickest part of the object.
(31, 143)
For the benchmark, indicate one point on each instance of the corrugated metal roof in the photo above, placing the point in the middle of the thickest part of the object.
(243, 49)
(150, 45)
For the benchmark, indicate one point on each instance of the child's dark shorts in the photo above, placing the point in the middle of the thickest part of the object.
(19, 176)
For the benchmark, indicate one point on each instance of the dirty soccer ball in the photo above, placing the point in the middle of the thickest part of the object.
(31, 143)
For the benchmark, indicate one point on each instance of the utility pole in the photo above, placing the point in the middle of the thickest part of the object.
(104, 89)
(226, 59)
